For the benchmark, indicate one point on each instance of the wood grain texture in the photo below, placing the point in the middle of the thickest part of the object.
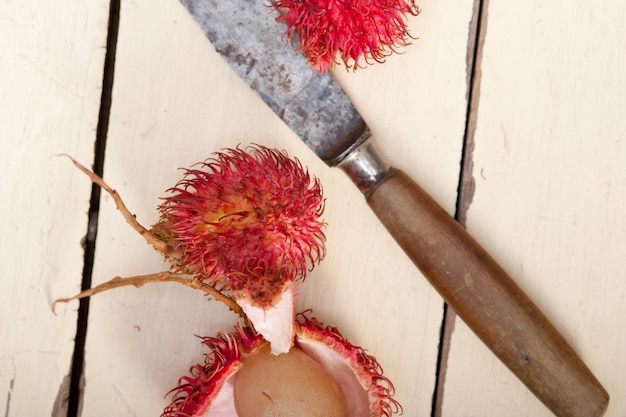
(174, 102)
(550, 171)
(51, 65)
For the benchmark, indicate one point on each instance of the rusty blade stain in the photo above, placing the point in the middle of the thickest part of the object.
(313, 105)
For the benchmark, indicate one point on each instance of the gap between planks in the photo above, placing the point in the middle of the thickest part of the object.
(76, 382)
(465, 190)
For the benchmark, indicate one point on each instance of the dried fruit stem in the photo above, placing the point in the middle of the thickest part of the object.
(165, 276)
(130, 218)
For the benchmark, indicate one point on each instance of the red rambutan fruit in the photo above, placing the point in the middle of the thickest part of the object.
(323, 375)
(348, 30)
(248, 222)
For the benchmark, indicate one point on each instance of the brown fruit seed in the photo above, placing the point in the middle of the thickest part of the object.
(290, 384)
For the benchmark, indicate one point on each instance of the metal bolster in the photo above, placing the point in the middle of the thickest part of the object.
(364, 164)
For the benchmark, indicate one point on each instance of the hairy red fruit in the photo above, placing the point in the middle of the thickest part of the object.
(247, 222)
(334, 364)
(348, 30)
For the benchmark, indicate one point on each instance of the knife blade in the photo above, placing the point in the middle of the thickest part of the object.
(483, 295)
(246, 35)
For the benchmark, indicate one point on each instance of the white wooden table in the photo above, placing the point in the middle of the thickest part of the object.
(548, 165)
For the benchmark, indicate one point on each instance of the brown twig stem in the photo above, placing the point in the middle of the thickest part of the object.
(130, 218)
(165, 276)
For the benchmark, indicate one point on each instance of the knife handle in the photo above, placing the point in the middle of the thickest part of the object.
(481, 293)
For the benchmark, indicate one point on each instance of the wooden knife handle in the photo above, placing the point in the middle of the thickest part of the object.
(477, 288)
(486, 298)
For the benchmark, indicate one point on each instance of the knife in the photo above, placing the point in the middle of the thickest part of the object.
(314, 106)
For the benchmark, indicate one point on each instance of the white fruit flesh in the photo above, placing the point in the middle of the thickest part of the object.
(275, 324)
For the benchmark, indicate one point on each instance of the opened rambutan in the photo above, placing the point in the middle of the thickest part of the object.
(323, 375)
(248, 223)
(245, 224)
(348, 30)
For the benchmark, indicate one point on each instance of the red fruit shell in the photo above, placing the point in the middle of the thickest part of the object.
(346, 29)
(246, 221)
(209, 388)
(209, 384)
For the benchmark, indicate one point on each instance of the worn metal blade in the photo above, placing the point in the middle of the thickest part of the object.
(313, 105)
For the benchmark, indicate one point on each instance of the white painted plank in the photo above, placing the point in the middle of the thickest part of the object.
(550, 171)
(51, 65)
(175, 101)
